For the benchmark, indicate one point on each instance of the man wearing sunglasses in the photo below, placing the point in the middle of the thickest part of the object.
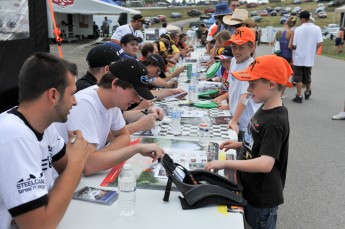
(98, 115)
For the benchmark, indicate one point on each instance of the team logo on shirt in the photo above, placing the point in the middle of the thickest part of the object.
(30, 183)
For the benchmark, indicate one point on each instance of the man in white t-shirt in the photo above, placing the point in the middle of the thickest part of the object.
(163, 29)
(307, 39)
(32, 154)
(98, 115)
(134, 27)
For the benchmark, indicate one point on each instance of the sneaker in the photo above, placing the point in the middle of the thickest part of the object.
(340, 116)
(297, 99)
(307, 95)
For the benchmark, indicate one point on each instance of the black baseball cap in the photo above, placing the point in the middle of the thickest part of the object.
(101, 56)
(304, 14)
(225, 54)
(135, 73)
(158, 61)
(130, 37)
(138, 17)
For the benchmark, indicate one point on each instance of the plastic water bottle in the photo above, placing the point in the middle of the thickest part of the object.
(193, 88)
(176, 120)
(204, 131)
(127, 189)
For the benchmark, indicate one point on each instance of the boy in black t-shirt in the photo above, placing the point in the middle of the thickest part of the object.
(266, 142)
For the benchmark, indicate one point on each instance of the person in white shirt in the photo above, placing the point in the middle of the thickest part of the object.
(242, 106)
(98, 115)
(307, 39)
(134, 27)
(38, 171)
(163, 29)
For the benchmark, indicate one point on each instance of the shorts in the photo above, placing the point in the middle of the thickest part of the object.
(338, 41)
(302, 74)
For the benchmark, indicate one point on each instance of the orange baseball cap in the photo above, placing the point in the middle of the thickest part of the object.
(243, 35)
(270, 67)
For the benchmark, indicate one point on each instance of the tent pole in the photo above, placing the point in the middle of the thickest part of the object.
(56, 30)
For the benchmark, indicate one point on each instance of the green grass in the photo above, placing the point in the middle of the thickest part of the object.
(328, 49)
(328, 46)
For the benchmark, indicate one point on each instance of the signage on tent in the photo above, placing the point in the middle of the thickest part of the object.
(63, 3)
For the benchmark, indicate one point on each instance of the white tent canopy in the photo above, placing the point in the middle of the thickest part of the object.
(92, 7)
(340, 9)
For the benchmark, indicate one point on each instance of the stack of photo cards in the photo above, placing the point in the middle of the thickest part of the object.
(96, 195)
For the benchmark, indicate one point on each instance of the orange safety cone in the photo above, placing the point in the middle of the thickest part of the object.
(319, 51)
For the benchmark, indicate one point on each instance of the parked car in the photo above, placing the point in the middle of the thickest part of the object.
(252, 5)
(322, 14)
(162, 18)
(253, 13)
(210, 10)
(296, 2)
(319, 9)
(195, 24)
(257, 18)
(283, 12)
(193, 13)
(284, 19)
(273, 13)
(264, 13)
(269, 9)
(278, 8)
(335, 3)
(288, 9)
(205, 16)
(332, 29)
(175, 15)
(296, 10)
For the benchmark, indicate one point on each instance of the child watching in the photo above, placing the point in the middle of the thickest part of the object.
(242, 107)
(264, 150)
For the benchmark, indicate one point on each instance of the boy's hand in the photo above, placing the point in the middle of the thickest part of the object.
(215, 165)
(77, 148)
(234, 126)
(230, 145)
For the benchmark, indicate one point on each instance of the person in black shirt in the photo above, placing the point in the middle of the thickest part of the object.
(265, 146)
(99, 58)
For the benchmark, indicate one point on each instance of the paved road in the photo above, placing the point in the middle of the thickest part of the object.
(315, 188)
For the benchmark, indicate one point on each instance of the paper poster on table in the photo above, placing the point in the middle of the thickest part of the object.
(14, 20)
(191, 154)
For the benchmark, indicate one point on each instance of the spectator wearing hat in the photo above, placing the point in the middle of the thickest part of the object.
(225, 58)
(236, 19)
(265, 148)
(241, 104)
(134, 28)
(222, 9)
(99, 58)
(306, 40)
(102, 121)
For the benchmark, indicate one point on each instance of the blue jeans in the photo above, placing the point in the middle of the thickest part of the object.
(261, 218)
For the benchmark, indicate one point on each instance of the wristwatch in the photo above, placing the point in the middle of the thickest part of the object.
(145, 111)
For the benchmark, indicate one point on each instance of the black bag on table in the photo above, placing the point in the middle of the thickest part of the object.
(200, 187)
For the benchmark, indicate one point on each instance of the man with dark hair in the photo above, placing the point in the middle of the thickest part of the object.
(163, 29)
(32, 154)
(102, 121)
(99, 58)
(134, 28)
(129, 46)
(148, 49)
(306, 40)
